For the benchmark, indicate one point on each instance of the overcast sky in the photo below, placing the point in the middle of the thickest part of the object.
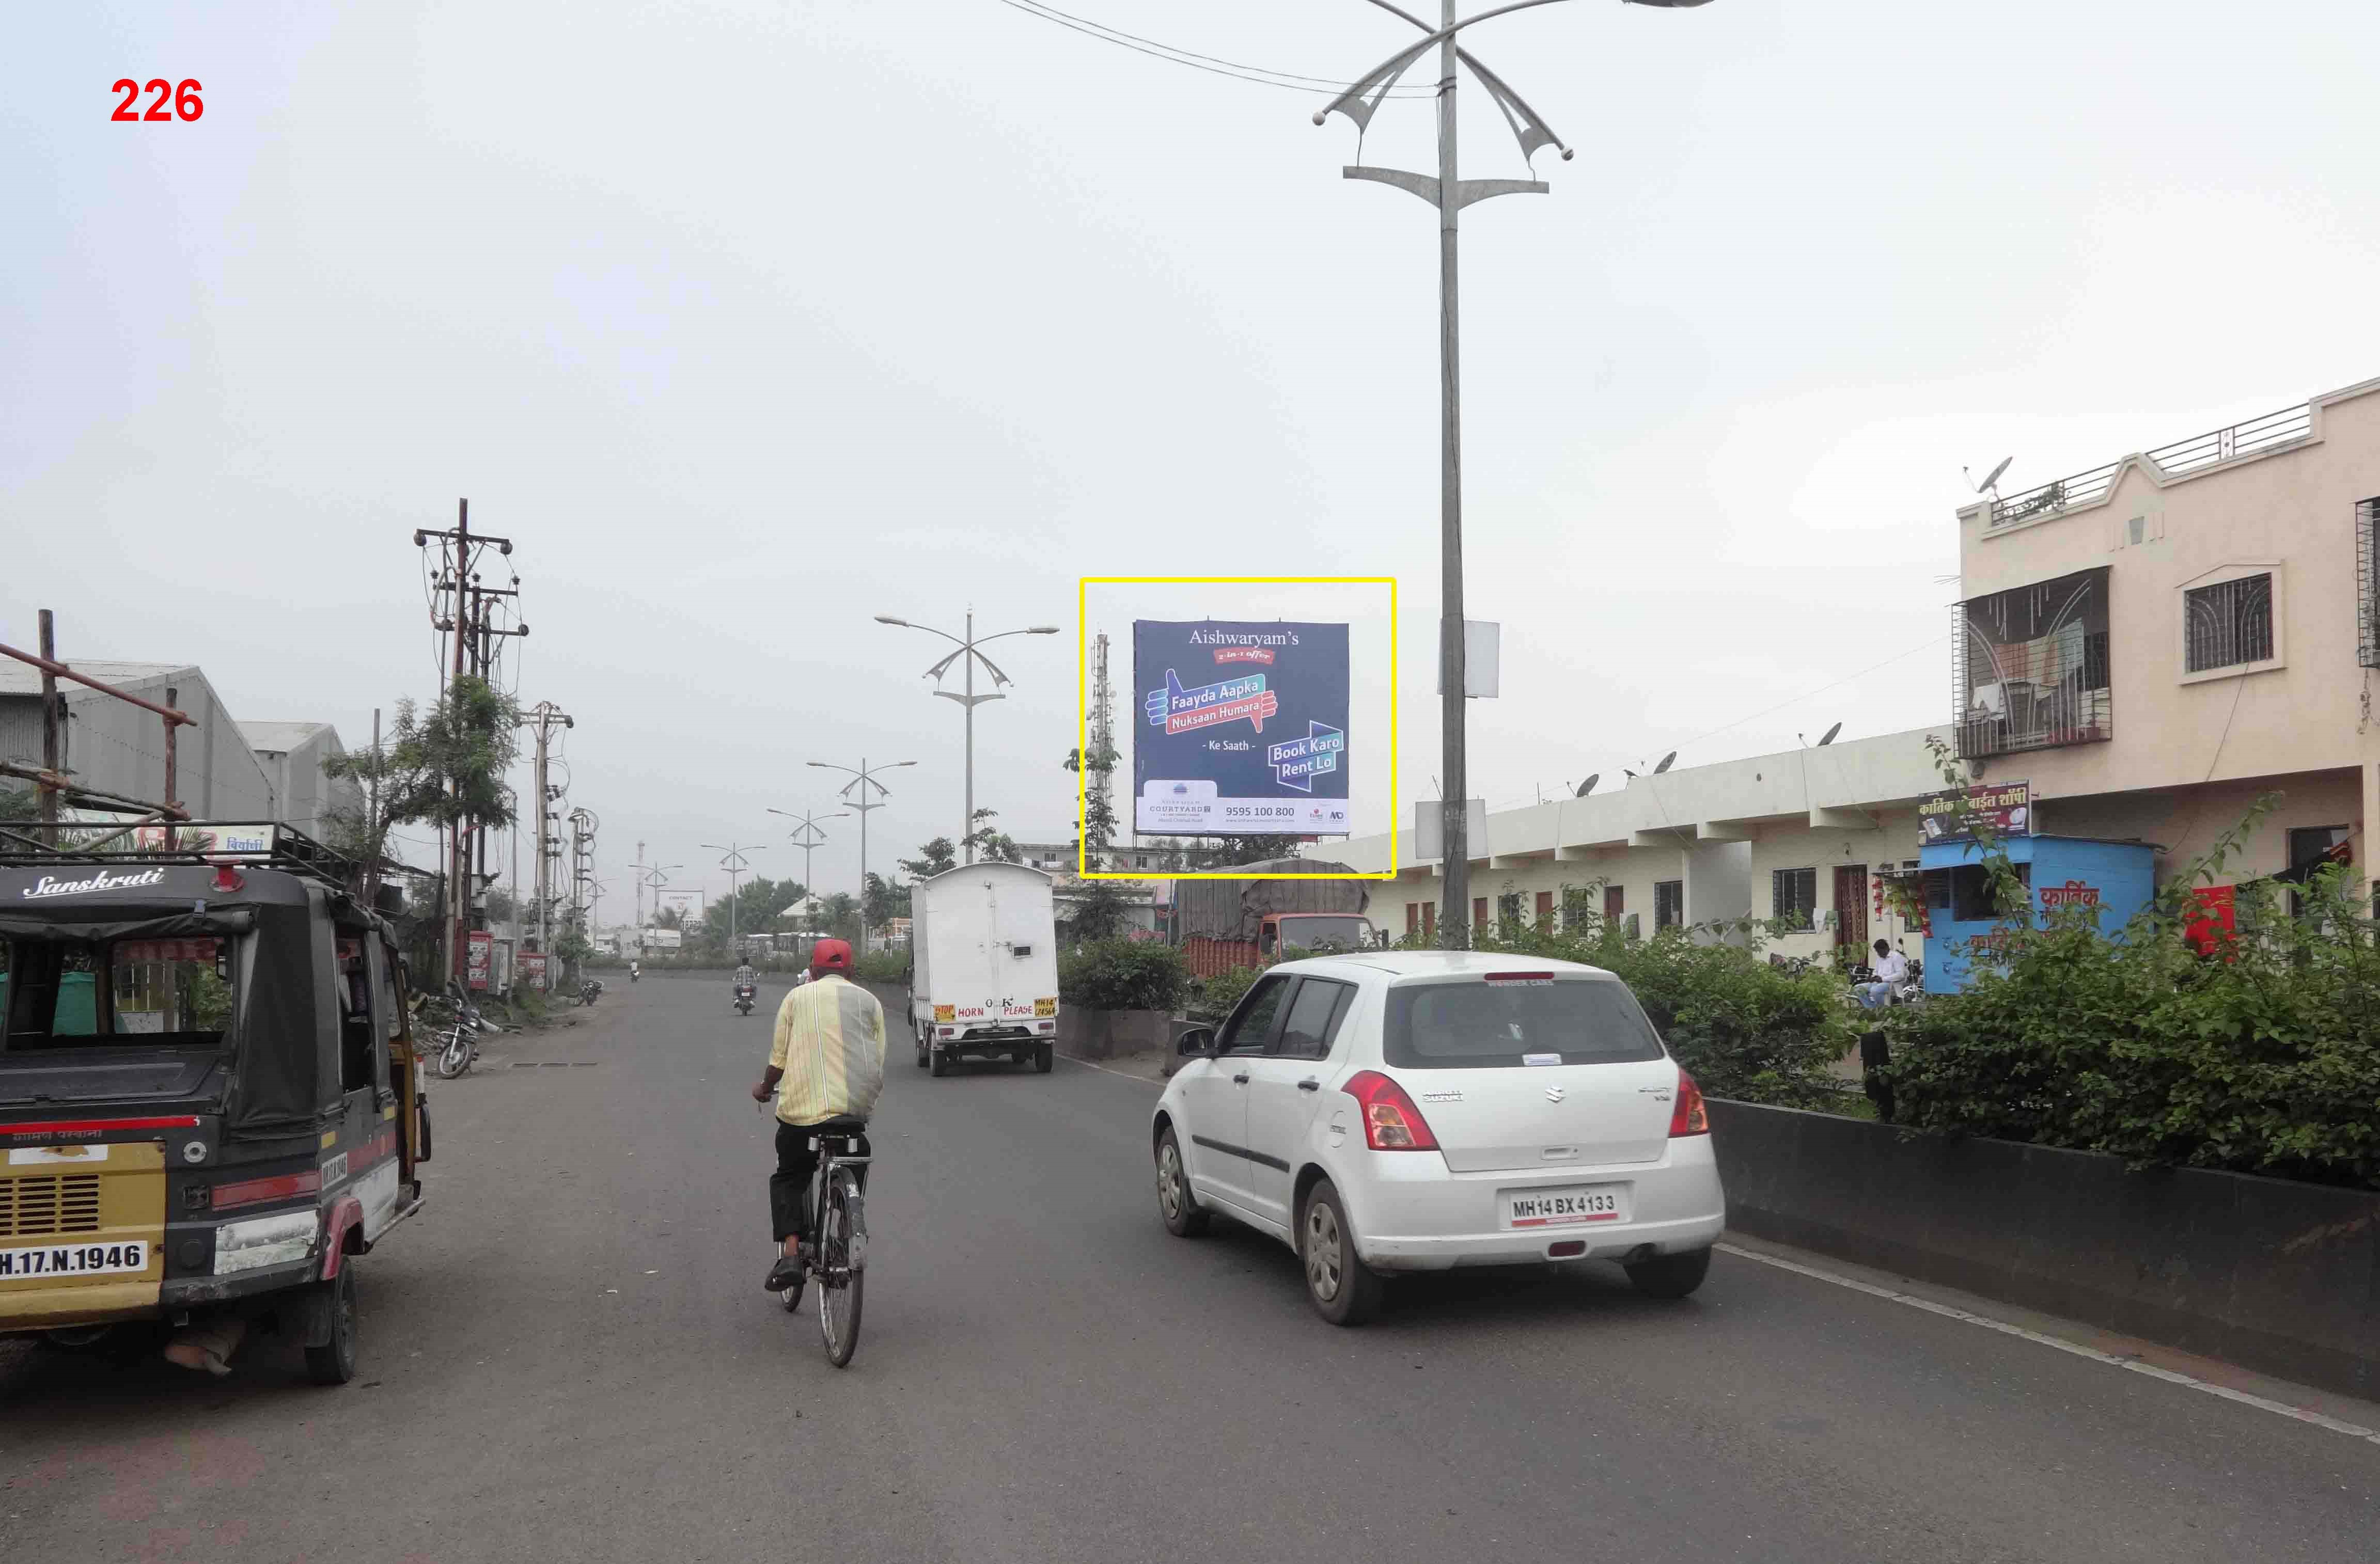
(750, 320)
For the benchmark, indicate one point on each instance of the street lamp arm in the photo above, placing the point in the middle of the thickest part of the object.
(912, 625)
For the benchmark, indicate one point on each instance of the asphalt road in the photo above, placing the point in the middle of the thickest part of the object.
(568, 1357)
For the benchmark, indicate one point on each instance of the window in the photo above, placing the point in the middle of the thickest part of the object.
(1576, 908)
(2031, 668)
(63, 994)
(1669, 903)
(1313, 1019)
(2367, 575)
(1545, 909)
(1478, 1026)
(2312, 848)
(1508, 910)
(1793, 896)
(1971, 891)
(1246, 1030)
(2227, 624)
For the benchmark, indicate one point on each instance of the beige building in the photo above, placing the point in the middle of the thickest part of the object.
(1800, 837)
(2153, 643)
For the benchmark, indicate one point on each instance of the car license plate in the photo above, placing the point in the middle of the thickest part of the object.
(1573, 1207)
(75, 1259)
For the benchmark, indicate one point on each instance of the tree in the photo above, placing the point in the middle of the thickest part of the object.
(500, 906)
(1099, 824)
(937, 856)
(670, 918)
(445, 769)
(995, 845)
(840, 915)
(885, 900)
(758, 905)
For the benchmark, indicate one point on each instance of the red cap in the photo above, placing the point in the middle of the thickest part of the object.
(829, 955)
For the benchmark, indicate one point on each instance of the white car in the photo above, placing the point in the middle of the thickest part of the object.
(1413, 1110)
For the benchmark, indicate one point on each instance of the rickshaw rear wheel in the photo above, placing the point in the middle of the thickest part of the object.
(333, 1362)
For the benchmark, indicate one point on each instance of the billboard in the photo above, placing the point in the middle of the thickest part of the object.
(2007, 807)
(1242, 728)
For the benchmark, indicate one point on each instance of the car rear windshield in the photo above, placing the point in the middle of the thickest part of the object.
(1473, 1025)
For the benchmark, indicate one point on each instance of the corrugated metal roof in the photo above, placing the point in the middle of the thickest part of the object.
(23, 678)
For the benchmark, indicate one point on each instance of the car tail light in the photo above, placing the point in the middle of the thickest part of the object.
(1392, 1123)
(1690, 1117)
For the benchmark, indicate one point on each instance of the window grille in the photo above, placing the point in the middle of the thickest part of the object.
(1793, 896)
(2228, 624)
(2367, 575)
(2032, 667)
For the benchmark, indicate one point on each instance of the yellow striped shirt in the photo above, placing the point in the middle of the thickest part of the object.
(829, 1044)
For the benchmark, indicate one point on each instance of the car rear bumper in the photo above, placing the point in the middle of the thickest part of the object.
(1418, 1216)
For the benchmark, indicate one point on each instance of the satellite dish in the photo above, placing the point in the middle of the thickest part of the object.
(1993, 479)
(1588, 785)
(1830, 737)
(1667, 761)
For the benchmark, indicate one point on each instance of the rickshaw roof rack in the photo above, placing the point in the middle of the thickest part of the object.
(265, 845)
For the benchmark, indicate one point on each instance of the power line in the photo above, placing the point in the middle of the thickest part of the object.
(1262, 76)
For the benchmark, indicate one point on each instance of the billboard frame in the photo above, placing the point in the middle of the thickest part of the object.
(1083, 714)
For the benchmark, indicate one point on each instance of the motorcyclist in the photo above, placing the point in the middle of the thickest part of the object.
(636, 970)
(826, 1062)
(745, 977)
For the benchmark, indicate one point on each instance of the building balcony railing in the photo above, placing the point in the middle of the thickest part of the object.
(2270, 433)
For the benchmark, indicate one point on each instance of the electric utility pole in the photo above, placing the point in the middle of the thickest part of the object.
(1450, 194)
(545, 715)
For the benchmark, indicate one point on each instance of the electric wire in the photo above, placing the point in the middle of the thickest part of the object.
(1263, 76)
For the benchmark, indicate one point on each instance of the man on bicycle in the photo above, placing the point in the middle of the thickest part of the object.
(827, 1062)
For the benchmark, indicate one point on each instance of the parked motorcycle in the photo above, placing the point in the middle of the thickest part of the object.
(589, 991)
(743, 992)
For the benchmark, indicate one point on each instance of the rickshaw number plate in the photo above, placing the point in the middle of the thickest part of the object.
(75, 1259)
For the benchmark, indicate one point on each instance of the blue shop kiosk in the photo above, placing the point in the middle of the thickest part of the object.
(2117, 877)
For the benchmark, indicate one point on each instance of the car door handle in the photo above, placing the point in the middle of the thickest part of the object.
(1309, 1084)
(1241, 1079)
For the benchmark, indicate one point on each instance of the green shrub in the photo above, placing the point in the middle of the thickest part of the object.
(1742, 1027)
(1212, 999)
(2262, 1057)
(883, 966)
(1123, 974)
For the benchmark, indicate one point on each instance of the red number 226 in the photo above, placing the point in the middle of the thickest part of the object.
(184, 95)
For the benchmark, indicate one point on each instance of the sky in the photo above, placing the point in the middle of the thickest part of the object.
(750, 322)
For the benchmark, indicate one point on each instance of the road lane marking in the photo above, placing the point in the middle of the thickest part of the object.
(1120, 1074)
(2171, 1377)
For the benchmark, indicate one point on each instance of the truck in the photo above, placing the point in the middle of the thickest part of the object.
(983, 966)
(1221, 924)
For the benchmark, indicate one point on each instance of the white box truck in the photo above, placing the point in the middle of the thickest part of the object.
(983, 966)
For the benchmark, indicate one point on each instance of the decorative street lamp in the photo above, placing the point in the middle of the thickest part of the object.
(862, 779)
(970, 701)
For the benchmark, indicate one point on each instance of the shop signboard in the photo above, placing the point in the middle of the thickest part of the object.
(1953, 815)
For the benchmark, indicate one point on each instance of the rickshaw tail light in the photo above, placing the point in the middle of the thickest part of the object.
(228, 879)
(255, 1192)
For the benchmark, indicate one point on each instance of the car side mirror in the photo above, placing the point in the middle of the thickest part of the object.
(1197, 1043)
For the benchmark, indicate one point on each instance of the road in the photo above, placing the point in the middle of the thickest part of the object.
(568, 1357)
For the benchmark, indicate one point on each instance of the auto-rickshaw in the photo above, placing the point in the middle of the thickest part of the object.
(208, 1100)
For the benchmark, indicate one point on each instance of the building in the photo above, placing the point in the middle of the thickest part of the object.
(112, 746)
(2155, 643)
(292, 755)
(1804, 837)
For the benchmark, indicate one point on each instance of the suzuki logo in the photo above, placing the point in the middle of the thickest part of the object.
(1553, 1094)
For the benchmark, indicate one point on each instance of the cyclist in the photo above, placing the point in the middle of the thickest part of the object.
(827, 1062)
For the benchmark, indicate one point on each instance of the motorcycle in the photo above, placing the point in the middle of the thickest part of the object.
(743, 992)
(635, 975)
(589, 991)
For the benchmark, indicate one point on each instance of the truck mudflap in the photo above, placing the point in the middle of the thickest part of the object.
(81, 1234)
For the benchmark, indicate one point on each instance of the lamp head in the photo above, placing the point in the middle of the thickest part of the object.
(888, 619)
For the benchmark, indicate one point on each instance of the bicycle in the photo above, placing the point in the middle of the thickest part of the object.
(838, 1249)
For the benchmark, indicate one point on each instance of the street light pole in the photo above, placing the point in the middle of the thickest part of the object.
(970, 701)
(809, 838)
(862, 777)
(1450, 194)
(734, 866)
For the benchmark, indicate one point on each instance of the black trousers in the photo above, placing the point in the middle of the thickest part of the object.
(789, 1186)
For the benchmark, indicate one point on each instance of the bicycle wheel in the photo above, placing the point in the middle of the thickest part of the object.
(843, 1266)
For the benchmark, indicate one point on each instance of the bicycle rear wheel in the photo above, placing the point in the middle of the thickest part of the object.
(843, 1265)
